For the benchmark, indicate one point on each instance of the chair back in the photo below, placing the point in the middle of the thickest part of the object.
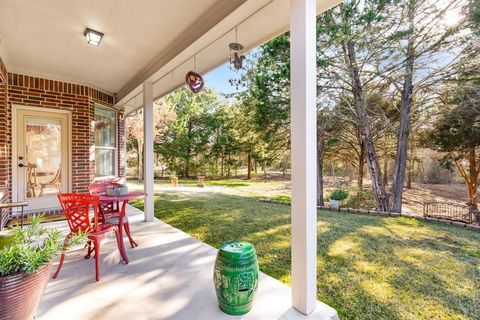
(76, 209)
(100, 187)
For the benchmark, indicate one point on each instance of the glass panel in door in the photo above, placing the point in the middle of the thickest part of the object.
(41, 156)
(43, 151)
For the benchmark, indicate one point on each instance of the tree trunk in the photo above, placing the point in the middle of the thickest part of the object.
(385, 171)
(284, 166)
(473, 181)
(222, 161)
(229, 167)
(404, 130)
(381, 197)
(361, 165)
(249, 166)
(264, 167)
(409, 178)
(421, 172)
(186, 172)
(320, 154)
(473, 191)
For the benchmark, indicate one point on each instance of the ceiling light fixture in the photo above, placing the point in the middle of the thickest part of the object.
(93, 37)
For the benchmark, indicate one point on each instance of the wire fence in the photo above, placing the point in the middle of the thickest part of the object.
(448, 211)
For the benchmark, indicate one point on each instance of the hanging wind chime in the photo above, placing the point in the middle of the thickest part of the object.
(236, 60)
(193, 80)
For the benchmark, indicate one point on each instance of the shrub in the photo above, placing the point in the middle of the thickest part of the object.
(361, 199)
(339, 194)
(30, 248)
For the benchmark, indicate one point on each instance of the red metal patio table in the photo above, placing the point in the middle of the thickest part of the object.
(131, 195)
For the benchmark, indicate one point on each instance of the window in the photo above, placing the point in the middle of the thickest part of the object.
(105, 141)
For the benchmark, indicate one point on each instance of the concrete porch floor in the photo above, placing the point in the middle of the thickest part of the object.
(169, 277)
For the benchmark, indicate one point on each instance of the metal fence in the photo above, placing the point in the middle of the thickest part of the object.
(448, 211)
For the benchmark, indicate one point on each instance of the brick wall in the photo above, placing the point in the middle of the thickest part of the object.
(43, 93)
(4, 137)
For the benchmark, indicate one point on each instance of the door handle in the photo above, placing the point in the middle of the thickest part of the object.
(21, 165)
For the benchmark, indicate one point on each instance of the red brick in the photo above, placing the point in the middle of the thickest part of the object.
(39, 92)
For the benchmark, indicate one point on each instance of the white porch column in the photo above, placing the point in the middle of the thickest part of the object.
(148, 154)
(304, 159)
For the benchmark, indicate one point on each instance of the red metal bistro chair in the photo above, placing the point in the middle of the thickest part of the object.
(109, 211)
(76, 209)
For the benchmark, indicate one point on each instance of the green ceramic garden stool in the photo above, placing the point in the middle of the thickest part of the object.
(236, 277)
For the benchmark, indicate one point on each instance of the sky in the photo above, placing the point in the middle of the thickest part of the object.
(217, 79)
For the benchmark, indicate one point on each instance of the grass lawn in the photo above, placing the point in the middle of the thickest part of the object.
(219, 182)
(368, 267)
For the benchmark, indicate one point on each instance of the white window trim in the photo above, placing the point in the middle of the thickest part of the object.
(115, 154)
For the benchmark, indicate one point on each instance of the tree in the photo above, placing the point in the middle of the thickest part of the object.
(456, 132)
(247, 131)
(226, 142)
(266, 101)
(163, 115)
(424, 49)
(347, 42)
(188, 139)
(350, 147)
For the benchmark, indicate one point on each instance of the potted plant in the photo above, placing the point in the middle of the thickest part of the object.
(201, 180)
(337, 196)
(25, 263)
(201, 177)
(173, 178)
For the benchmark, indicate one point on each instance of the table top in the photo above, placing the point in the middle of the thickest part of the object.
(129, 196)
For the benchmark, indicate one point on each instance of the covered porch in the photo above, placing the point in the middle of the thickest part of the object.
(146, 51)
(169, 277)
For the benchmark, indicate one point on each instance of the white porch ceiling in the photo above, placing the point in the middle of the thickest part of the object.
(45, 37)
(145, 40)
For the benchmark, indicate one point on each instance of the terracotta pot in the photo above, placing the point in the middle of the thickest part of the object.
(174, 182)
(201, 181)
(20, 294)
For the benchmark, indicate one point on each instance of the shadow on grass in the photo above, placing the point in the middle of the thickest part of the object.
(369, 267)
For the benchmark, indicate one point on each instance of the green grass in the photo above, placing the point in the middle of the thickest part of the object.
(282, 198)
(369, 267)
(219, 182)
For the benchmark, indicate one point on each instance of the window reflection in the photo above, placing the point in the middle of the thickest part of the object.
(43, 152)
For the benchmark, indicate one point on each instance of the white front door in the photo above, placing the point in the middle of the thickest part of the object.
(41, 157)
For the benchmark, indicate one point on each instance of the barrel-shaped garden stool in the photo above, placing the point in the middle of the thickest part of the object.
(236, 277)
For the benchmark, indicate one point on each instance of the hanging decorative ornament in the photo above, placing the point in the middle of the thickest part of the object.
(193, 80)
(236, 62)
(236, 59)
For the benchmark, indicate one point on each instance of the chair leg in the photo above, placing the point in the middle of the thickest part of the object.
(90, 249)
(121, 246)
(62, 257)
(60, 264)
(126, 226)
(97, 259)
